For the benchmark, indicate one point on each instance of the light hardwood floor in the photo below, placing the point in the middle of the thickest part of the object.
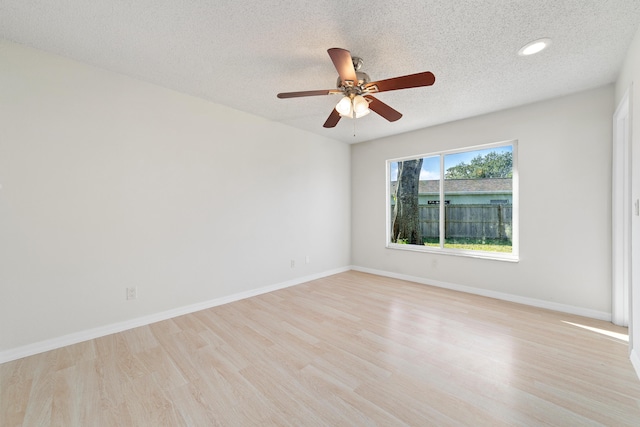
(348, 350)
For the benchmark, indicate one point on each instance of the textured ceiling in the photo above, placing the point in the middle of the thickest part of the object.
(241, 54)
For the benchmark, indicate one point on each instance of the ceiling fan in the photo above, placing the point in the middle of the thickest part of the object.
(356, 88)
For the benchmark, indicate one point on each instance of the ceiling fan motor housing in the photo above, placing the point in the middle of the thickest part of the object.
(363, 79)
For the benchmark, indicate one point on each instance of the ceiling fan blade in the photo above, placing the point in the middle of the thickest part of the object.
(405, 82)
(332, 120)
(308, 93)
(344, 64)
(383, 109)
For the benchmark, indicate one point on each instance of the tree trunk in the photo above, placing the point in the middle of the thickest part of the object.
(406, 215)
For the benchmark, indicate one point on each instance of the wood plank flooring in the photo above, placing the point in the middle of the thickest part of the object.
(348, 350)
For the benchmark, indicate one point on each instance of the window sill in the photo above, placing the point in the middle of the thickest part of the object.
(495, 256)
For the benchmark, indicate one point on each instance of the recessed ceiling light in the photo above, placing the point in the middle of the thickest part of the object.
(534, 47)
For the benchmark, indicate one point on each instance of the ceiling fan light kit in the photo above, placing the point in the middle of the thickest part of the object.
(356, 89)
(353, 107)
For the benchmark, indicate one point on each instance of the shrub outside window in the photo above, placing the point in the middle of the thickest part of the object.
(460, 202)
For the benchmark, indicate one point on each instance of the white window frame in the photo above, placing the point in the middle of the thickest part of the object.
(514, 256)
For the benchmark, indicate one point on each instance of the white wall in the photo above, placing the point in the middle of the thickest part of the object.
(565, 203)
(630, 78)
(109, 182)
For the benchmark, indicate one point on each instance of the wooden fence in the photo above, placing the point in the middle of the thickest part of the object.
(468, 221)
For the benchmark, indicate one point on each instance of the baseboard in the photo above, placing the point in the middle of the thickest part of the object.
(52, 344)
(564, 308)
(89, 334)
(635, 361)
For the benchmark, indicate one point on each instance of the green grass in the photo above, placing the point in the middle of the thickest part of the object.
(488, 245)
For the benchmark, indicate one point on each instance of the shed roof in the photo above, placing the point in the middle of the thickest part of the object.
(483, 185)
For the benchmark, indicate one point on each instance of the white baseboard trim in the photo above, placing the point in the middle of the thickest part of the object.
(53, 343)
(635, 361)
(89, 334)
(564, 308)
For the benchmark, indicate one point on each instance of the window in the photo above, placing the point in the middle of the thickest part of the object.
(460, 202)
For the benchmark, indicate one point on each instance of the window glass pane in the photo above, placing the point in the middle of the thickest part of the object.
(478, 193)
(414, 201)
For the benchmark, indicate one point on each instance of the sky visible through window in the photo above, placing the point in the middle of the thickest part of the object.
(431, 165)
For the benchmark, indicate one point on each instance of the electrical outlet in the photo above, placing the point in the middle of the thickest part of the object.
(307, 260)
(132, 293)
(293, 263)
